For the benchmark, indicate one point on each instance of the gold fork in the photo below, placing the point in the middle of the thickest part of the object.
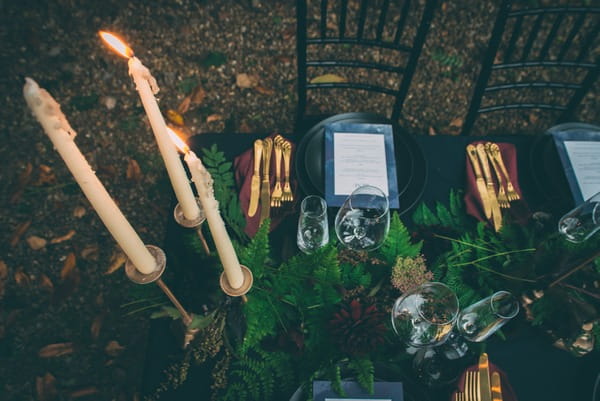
(472, 386)
(287, 195)
(502, 199)
(511, 194)
(277, 191)
(459, 396)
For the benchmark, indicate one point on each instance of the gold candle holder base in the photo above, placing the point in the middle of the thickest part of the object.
(195, 223)
(237, 292)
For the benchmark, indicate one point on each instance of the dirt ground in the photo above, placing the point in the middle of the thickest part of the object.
(66, 331)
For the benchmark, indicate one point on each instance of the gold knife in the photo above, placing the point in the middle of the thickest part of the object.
(472, 153)
(489, 183)
(484, 378)
(496, 387)
(265, 187)
(255, 183)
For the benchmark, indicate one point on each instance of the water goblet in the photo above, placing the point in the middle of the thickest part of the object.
(425, 316)
(582, 222)
(313, 228)
(363, 221)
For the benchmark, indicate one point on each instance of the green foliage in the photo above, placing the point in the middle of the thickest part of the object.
(452, 216)
(260, 375)
(225, 191)
(166, 311)
(187, 85)
(255, 254)
(398, 242)
(365, 372)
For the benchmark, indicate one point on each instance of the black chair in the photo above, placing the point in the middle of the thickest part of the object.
(540, 53)
(358, 37)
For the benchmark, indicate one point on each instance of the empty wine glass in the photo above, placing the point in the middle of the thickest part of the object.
(425, 316)
(313, 228)
(482, 319)
(582, 222)
(363, 221)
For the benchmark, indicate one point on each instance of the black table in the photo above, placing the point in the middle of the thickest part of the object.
(537, 370)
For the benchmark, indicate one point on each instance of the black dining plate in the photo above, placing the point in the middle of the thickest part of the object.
(410, 161)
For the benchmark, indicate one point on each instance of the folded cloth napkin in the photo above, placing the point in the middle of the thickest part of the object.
(244, 169)
(508, 394)
(518, 211)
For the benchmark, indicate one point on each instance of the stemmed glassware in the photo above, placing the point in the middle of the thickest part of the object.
(363, 221)
(313, 228)
(425, 316)
(582, 222)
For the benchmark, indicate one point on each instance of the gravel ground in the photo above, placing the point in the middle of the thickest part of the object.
(64, 333)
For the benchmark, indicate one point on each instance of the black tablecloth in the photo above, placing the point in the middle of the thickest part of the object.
(536, 369)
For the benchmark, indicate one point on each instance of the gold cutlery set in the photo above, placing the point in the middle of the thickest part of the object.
(260, 186)
(482, 156)
(480, 385)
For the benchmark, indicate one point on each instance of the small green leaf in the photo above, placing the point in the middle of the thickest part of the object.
(166, 311)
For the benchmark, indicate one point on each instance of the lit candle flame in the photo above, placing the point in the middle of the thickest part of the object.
(116, 43)
(178, 141)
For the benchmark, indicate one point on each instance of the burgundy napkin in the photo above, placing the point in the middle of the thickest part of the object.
(244, 169)
(508, 394)
(518, 211)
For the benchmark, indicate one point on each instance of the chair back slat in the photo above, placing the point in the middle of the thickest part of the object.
(343, 13)
(550, 38)
(323, 25)
(574, 30)
(532, 37)
(401, 21)
(513, 38)
(382, 16)
(362, 16)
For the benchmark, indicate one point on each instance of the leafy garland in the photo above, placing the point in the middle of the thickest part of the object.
(286, 337)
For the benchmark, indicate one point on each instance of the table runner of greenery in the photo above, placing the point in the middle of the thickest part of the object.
(311, 315)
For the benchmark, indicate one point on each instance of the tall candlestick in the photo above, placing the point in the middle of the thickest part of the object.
(47, 111)
(204, 185)
(147, 87)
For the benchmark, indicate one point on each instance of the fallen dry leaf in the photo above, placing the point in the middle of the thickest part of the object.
(432, 131)
(457, 122)
(118, 259)
(46, 283)
(214, 117)
(327, 78)
(16, 237)
(54, 350)
(23, 181)
(245, 81)
(134, 172)
(96, 326)
(264, 91)
(108, 170)
(21, 278)
(3, 270)
(63, 238)
(533, 118)
(83, 392)
(184, 106)
(90, 252)
(79, 212)
(198, 95)
(46, 175)
(113, 348)
(245, 128)
(46, 387)
(36, 242)
(174, 117)
(69, 266)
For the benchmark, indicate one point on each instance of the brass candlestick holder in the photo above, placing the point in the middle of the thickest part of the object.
(195, 224)
(155, 277)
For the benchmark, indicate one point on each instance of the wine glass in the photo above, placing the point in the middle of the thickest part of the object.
(425, 316)
(477, 322)
(582, 222)
(313, 228)
(363, 221)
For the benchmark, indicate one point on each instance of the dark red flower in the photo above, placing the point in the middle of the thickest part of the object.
(357, 329)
